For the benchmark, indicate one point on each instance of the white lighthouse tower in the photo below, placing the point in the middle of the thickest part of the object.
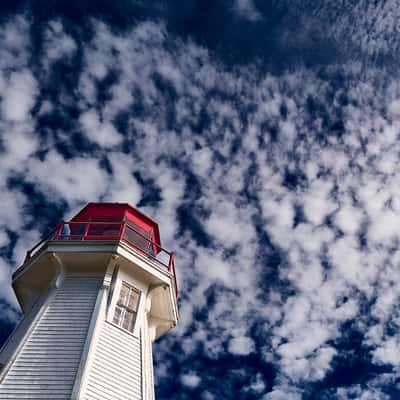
(95, 294)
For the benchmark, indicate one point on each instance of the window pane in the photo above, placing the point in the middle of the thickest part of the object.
(125, 310)
(117, 315)
(128, 320)
(123, 296)
(133, 300)
(104, 230)
(132, 236)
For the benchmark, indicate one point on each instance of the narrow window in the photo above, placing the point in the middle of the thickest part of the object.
(126, 308)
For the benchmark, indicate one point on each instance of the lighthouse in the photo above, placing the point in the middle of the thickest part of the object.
(95, 294)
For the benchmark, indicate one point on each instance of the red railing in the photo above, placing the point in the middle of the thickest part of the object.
(112, 231)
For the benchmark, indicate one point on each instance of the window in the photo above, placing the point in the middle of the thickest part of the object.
(138, 237)
(105, 227)
(126, 307)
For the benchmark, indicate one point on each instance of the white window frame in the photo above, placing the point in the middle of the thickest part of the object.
(125, 307)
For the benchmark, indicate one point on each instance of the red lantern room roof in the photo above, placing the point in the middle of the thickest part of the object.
(119, 212)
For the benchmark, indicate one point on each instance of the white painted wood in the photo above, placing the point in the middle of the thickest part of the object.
(21, 332)
(98, 316)
(115, 370)
(147, 359)
(47, 363)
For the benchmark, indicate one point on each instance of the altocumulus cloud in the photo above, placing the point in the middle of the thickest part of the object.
(279, 193)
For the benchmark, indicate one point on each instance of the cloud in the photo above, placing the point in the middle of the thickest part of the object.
(388, 352)
(191, 380)
(74, 180)
(241, 346)
(8, 313)
(358, 392)
(99, 132)
(348, 219)
(278, 192)
(285, 394)
(246, 9)
(16, 43)
(4, 239)
(57, 43)
(19, 96)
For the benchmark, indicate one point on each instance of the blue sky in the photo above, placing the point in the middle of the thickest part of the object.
(264, 138)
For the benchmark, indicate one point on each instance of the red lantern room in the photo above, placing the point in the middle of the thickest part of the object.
(113, 221)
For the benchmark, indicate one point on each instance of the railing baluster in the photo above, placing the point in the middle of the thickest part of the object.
(59, 229)
(171, 261)
(85, 233)
(122, 230)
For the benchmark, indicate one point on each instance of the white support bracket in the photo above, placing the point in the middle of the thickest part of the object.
(60, 274)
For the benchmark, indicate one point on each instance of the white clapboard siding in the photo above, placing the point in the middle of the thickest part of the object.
(116, 370)
(47, 363)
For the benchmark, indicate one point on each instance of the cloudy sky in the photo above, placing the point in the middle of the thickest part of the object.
(264, 138)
